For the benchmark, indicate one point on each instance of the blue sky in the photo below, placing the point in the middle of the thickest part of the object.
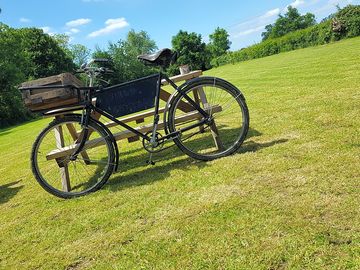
(96, 22)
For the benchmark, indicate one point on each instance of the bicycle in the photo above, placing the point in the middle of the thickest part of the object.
(206, 118)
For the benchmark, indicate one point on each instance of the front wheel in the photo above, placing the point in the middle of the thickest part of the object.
(63, 175)
(228, 122)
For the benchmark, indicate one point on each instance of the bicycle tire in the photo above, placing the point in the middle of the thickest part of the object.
(63, 177)
(221, 137)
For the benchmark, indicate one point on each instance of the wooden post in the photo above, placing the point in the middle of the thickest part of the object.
(213, 127)
(63, 164)
(185, 69)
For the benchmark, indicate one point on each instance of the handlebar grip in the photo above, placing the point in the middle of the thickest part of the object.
(101, 60)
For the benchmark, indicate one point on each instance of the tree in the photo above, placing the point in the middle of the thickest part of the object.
(25, 54)
(346, 22)
(291, 21)
(12, 61)
(78, 53)
(269, 28)
(192, 50)
(219, 42)
(124, 56)
(46, 56)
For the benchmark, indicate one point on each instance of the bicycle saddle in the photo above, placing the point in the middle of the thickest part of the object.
(161, 58)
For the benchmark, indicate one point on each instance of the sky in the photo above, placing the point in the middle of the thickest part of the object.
(96, 22)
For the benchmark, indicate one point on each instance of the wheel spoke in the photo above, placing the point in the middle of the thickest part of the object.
(84, 174)
(230, 121)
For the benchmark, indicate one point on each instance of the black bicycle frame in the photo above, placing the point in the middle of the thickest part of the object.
(90, 106)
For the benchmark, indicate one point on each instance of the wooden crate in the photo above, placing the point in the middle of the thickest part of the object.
(39, 98)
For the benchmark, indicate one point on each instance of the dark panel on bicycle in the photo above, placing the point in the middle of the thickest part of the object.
(128, 98)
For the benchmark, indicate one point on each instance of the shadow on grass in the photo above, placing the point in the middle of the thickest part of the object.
(151, 174)
(8, 191)
(2, 133)
(166, 162)
(251, 146)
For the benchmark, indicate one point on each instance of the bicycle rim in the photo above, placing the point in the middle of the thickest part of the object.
(224, 134)
(58, 173)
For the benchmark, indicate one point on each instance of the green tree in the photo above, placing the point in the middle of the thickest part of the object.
(290, 22)
(12, 61)
(219, 42)
(124, 56)
(346, 22)
(46, 56)
(78, 53)
(25, 54)
(192, 51)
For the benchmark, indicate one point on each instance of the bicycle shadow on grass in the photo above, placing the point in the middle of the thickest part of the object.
(8, 191)
(133, 170)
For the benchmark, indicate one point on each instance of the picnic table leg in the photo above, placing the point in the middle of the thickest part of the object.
(213, 127)
(63, 164)
(77, 139)
(197, 100)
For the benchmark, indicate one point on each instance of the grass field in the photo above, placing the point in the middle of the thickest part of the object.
(289, 199)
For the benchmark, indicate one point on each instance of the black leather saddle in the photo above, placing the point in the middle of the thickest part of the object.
(161, 58)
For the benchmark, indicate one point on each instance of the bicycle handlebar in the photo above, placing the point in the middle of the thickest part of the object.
(92, 71)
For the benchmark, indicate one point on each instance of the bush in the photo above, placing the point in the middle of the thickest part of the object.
(346, 23)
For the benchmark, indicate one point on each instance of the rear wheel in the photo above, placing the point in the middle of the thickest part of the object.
(62, 175)
(229, 124)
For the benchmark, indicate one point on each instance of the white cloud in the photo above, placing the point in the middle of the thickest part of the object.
(297, 3)
(250, 31)
(330, 6)
(271, 13)
(254, 25)
(111, 26)
(47, 30)
(72, 31)
(25, 20)
(78, 22)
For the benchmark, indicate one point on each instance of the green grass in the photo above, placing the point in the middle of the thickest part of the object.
(289, 199)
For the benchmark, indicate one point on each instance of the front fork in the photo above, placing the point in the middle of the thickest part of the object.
(85, 118)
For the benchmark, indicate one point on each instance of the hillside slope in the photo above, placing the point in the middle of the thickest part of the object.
(289, 199)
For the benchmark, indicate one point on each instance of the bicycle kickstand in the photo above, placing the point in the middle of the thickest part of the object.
(150, 161)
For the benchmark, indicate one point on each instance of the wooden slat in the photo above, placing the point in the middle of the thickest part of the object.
(54, 93)
(185, 77)
(185, 107)
(58, 153)
(133, 117)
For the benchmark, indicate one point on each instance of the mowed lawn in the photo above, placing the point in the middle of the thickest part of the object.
(289, 199)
